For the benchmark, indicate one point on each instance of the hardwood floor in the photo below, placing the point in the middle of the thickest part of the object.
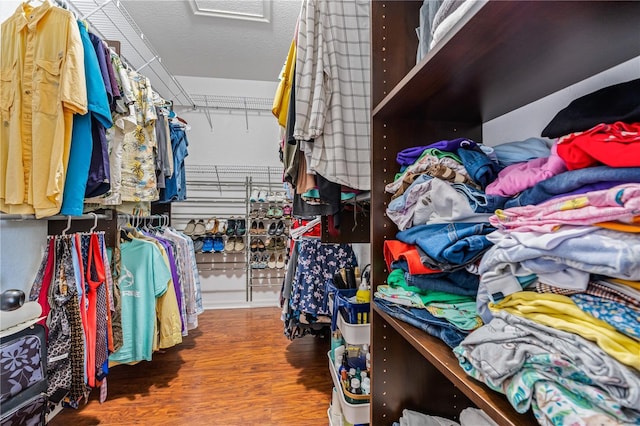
(237, 368)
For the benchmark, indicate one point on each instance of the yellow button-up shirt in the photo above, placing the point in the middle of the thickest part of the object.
(42, 84)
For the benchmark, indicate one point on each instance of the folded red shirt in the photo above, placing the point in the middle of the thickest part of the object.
(397, 250)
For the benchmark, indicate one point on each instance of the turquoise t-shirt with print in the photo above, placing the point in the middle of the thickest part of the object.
(144, 275)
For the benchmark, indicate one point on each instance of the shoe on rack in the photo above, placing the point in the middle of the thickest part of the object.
(271, 197)
(241, 227)
(218, 244)
(261, 229)
(239, 244)
(211, 227)
(280, 261)
(270, 212)
(277, 212)
(280, 197)
(280, 244)
(197, 245)
(191, 226)
(271, 263)
(200, 228)
(207, 246)
(231, 227)
(286, 211)
(272, 228)
(222, 227)
(261, 213)
(260, 245)
(279, 228)
(254, 244)
(270, 245)
(262, 196)
(255, 193)
(255, 260)
(254, 227)
(263, 262)
(230, 245)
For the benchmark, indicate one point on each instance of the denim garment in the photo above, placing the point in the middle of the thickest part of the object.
(596, 186)
(572, 180)
(408, 156)
(478, 200)
(176, 185)
(482, 170)
(422, 319)
(427, 261)
(456, 243)
(458, 282)
(521, 151)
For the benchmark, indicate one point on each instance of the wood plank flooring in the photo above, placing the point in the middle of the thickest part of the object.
(236, 368)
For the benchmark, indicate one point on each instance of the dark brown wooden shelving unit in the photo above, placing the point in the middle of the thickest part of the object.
(502, 55)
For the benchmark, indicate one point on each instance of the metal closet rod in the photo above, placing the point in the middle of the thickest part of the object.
(18, 217)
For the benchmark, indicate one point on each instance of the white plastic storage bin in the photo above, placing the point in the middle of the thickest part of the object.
(353, 413)
(354, 334)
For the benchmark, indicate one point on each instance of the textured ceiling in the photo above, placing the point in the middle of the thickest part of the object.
(238, 39)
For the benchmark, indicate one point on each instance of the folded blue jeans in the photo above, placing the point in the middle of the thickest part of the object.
(455, 243)
(460, 282)
(480, 167)
(478, 200)
(572, 180)
(422, 319)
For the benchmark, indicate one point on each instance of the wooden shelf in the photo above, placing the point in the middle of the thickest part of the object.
(505, 54)
(500, 56)
(442, 358)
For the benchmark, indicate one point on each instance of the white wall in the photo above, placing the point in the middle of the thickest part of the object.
(236, 139)
(530, 120)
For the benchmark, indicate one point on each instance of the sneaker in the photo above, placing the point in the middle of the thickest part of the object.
(254, 195)
(262, 196)
(271, 197)
(207, 245)
(218, 244)
(241, 227)
(197, 245)
(262, 263)
(231, 227)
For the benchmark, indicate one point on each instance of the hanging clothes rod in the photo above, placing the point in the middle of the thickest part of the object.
(19, 217)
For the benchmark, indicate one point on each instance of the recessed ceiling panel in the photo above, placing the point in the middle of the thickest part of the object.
(249, 10)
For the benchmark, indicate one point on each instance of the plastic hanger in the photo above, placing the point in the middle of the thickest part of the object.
(95, 222)
(64, 231)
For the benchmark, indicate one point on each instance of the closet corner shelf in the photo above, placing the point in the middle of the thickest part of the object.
(442, 357)
(482, 65)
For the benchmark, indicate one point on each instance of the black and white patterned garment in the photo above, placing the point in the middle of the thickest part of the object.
(61, 292)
